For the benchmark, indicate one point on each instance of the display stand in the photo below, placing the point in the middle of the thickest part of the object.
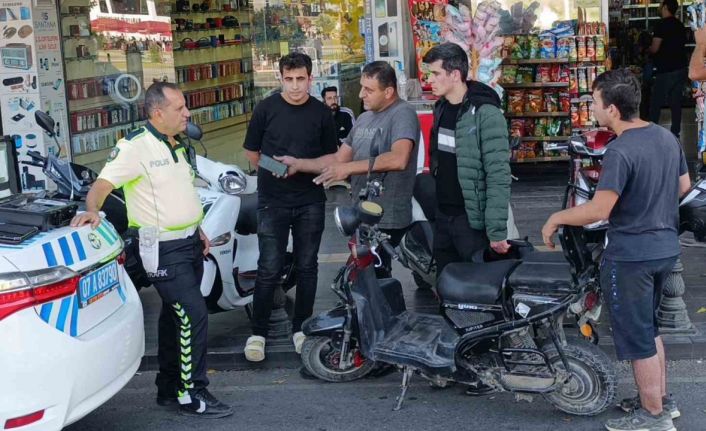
(32, 79)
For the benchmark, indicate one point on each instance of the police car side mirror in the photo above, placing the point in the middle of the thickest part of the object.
(44, 121)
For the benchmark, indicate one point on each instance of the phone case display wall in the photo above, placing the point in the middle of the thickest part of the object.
(113, 51)
(427, 18)
(30, 74)
(213, 60)
(548, 79)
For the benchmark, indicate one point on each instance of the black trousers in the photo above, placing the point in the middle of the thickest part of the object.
(668, 88)
(273, 225)
(455, 240)
(183, 320)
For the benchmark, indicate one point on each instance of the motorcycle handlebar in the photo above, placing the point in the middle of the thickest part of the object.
(389, 249)
(37, 164)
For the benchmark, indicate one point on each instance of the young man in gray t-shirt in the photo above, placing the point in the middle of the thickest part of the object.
(388, 131)
(644, 174)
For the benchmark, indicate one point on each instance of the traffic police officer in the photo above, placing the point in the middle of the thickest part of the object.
(152, 167)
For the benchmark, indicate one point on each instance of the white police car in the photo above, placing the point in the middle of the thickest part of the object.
(71, 327)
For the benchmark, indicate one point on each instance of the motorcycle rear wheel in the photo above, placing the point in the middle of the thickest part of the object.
(592, 385)
(320, 359)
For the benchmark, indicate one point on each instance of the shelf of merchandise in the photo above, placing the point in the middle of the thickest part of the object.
(544, 138)
(95, 156)
(537, 114)
(203, 84)
(537, 85)
(542, 159)
(535, 61)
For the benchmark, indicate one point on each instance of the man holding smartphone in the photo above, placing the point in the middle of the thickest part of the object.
(290, 123)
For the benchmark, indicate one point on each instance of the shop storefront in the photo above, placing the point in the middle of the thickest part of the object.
(540, 56)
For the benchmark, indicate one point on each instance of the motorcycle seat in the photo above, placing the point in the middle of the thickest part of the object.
(544, 272)
(474, 283)
(544, 257)
(247, 216)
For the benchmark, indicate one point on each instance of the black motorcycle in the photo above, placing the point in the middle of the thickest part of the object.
(500, 327)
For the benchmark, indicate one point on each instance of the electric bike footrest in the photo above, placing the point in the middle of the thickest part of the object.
(420, 341)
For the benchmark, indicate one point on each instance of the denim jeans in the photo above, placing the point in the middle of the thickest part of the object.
(273, 225)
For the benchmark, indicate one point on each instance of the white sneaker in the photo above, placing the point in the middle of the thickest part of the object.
(298, 339)
(255, 348)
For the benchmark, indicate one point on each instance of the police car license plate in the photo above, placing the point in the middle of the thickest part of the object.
(97, 284)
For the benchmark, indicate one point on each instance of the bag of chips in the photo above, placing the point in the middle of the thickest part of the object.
(590, 48)
(517, 128)
(515, 101)
(543, 74)
(581, 47)
(563, 47)
(575, 119)
(584, 118)
(534, 100)
(534, 45)
(564, 102)
(551, 101)
(548, 45)
(509, 75)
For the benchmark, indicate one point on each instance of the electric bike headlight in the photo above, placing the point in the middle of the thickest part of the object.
(347, 220)
(232, 182)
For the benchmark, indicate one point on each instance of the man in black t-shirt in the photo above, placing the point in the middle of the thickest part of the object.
(290, 123)
(644, 174)
(669, 51)
(343, 116)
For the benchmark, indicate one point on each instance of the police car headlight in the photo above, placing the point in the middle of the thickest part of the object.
(232, 183)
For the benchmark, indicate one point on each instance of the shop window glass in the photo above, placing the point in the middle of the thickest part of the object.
(325, 30)
(113, 51)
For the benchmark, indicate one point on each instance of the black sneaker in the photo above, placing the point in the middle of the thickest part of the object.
(205, 405)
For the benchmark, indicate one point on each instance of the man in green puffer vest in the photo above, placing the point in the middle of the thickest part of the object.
(470, 160)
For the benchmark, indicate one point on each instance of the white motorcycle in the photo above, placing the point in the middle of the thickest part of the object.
(229, 199)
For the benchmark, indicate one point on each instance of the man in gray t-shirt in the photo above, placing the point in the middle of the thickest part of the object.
(388, 131)
(644, 174)
(373, 134)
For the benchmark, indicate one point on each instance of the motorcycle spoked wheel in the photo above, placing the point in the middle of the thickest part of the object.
(592, 385)
(321, 359)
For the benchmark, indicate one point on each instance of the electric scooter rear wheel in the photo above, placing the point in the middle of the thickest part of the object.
(591, 387)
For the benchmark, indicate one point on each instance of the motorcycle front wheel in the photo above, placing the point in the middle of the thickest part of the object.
(321, 358)
(591, 387)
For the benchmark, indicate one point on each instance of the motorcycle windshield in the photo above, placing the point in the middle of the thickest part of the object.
(62, 173)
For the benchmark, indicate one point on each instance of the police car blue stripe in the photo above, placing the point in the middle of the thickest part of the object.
(63, 311)
(45, 312)
(49, 254)
(79, 246)
(113, 234)
(104, 233)
(74, 317)
(65, 251)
